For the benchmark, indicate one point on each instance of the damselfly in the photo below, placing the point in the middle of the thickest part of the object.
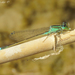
(27, 34)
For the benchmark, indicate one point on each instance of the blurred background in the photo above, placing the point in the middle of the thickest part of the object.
(30, 14)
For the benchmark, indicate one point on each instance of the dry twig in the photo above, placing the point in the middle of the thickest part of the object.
(35, 46)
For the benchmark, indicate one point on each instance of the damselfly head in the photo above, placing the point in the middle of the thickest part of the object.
(65, 26)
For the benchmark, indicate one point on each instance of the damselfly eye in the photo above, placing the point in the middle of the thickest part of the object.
(64, 23)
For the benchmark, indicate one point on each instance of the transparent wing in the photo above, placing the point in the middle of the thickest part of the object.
(27, 34)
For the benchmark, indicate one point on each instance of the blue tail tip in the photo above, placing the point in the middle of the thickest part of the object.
(0, 48)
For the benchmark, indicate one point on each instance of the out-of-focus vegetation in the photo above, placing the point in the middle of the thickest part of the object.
(22, 14)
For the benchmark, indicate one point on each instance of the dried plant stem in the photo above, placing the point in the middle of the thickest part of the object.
(35, 46)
